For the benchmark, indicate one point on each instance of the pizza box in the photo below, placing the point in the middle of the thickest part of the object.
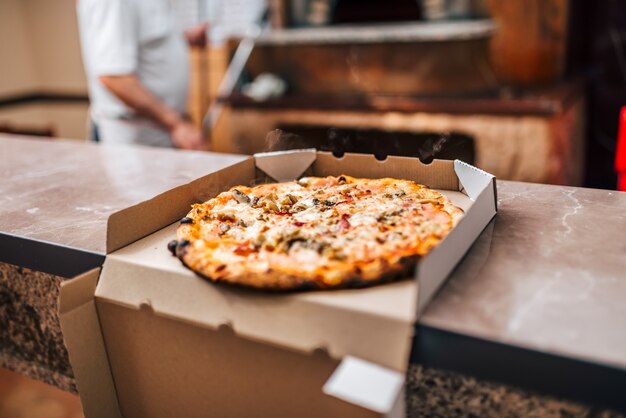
(147, 337)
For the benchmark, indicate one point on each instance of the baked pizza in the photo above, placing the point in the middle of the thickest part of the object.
(314, 233)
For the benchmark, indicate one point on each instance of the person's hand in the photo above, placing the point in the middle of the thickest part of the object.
(186, 136)
(196, 35)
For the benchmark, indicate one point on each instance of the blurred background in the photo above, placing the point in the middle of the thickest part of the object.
(529, 90)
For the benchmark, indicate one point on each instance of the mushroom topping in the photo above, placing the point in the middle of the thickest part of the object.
(268, 203)
(270, 206)
(226, 216)
(240, 196)
(224, 228)
(289, 199)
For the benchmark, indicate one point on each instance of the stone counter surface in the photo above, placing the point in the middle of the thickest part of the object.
(31, 342)
(548, 275)
(63, 192)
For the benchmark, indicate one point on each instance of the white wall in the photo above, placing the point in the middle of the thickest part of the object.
(39, 47)
(55, 44)
(68, 120)
(40, 52)
(18, 73)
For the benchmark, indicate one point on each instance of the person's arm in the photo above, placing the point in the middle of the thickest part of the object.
(128, 89)
(196, 35)
(110, 29)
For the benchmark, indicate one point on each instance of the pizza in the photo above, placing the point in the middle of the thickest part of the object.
(314, 233)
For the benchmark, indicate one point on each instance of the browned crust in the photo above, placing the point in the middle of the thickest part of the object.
(455, 212)
(277, 281)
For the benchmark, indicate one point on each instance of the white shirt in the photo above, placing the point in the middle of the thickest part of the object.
(139, 37)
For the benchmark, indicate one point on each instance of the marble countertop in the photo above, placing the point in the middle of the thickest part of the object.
(63, 192)
(548, 274)
(538, 302)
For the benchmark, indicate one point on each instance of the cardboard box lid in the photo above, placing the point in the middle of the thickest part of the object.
(85, 345)
(375, 324)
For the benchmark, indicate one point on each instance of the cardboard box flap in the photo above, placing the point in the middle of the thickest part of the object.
(292, 164)
(85, 345)
(368, 385)
(143, 276)
(285, 165)
(439, 174)
(137, 221)
(473, 180)
(434, 269)
(78, 291)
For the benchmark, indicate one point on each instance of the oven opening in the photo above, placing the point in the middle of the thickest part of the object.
(423, 145)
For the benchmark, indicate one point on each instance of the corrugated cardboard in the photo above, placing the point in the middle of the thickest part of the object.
(141, 274)
(179, 346)
(129, 224)
(83, 339)
(366, 384)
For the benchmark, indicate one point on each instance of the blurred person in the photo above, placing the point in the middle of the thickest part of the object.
(137, 67)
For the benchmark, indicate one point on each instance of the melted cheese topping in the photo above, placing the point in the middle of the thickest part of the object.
(326, 229)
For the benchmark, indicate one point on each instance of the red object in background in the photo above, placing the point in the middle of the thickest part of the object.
(620, 153)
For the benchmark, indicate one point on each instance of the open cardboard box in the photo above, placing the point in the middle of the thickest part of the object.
(152, 339)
